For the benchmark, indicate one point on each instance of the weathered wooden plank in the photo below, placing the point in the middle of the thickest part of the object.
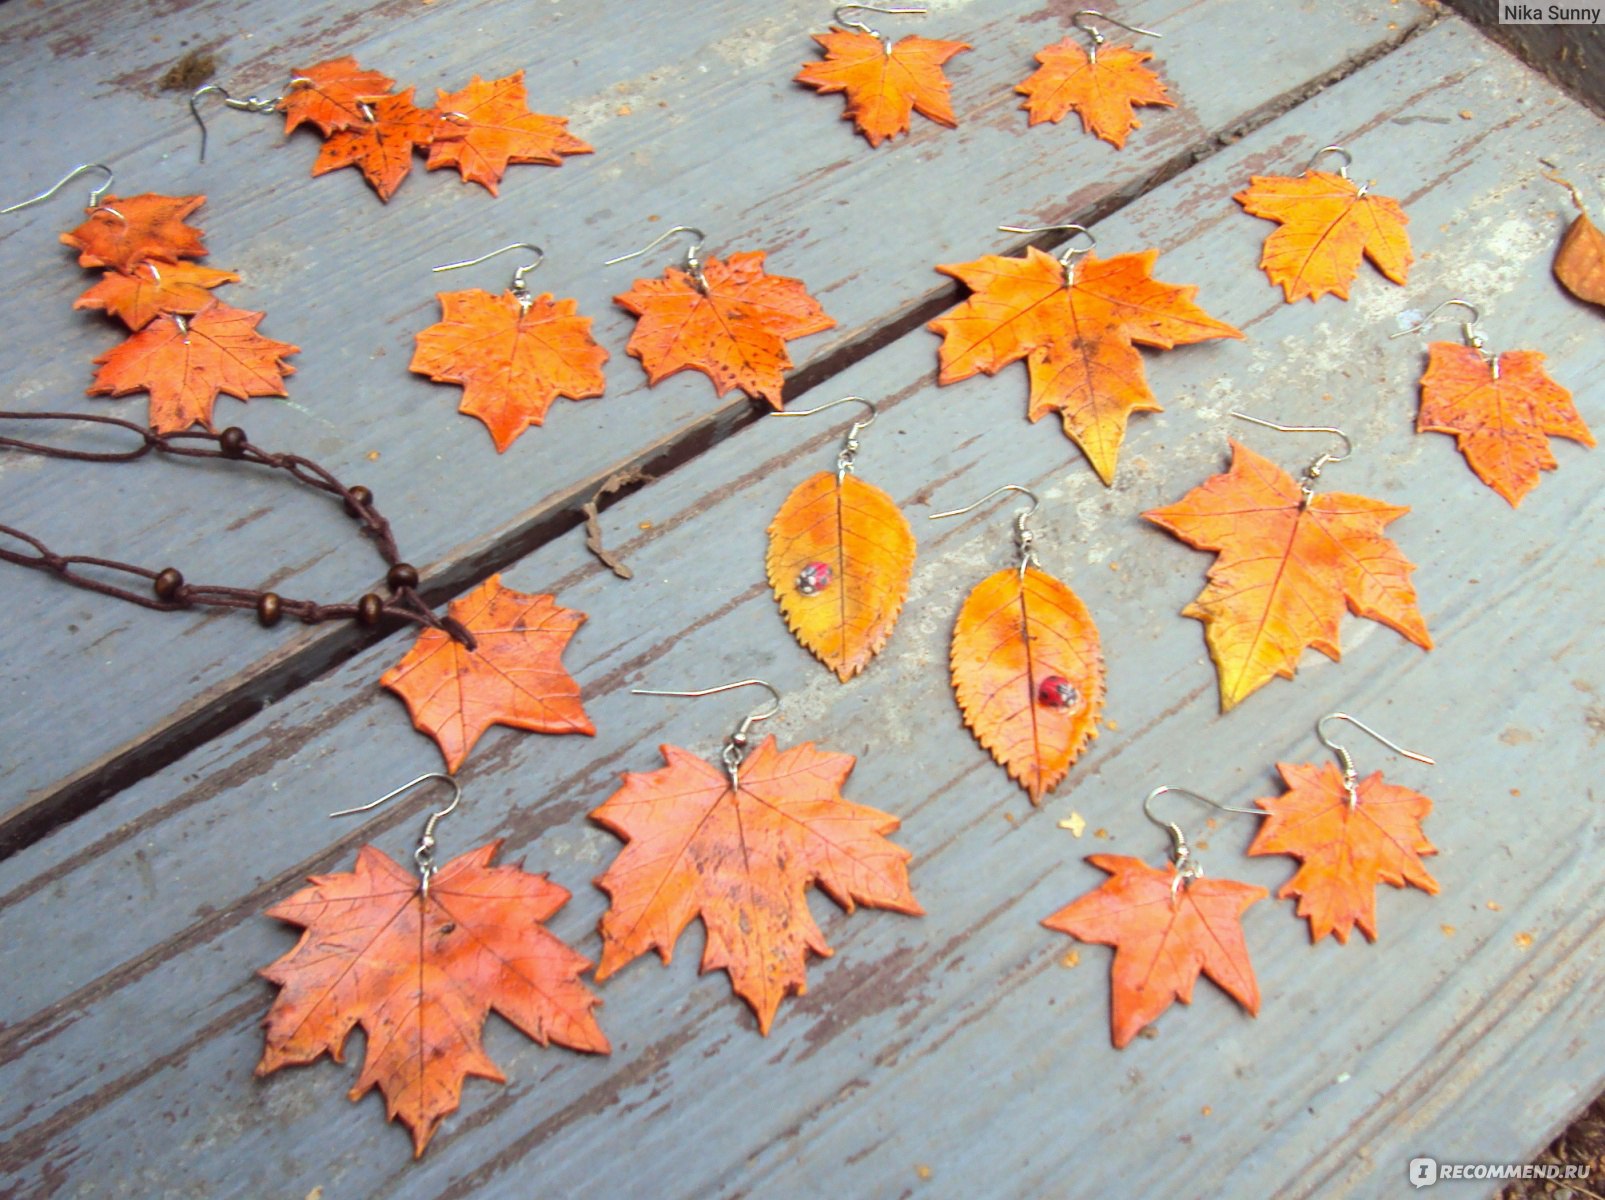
(347, 280)
(957, 1042)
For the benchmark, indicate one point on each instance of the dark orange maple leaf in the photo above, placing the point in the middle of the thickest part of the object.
(1163, 935)
(1102, 91)
(420, 973)
(1579, 264)
(885, 83)
(735, 333)
(331, 95)
(184, 363)
(382, 148)
(743, 861)
(1502, 423)
(1286, 570)
(1327, 222)
(123, 232)
(512, 359)
(1028, 674)
(487, 125)
(1346, 851)
(153, 289)
(514, 676)
(1078, 326)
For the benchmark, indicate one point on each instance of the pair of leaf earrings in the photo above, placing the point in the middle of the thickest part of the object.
(885, 83)
(514, 353)
(1169, 924)
(1027, 668)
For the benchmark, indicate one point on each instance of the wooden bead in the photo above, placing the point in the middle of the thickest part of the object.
(370, 610)
(402, 575)
(232, 441)
(360, 495)
(269, 608)
(167, 583)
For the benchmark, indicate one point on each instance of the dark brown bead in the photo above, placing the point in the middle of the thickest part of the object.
(402, 575)
(232, 441)
(167, 583)
(370, 610)
(359, 495)
(269, 608)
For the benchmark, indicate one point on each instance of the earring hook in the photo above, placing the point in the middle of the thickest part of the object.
(1346, 760)
(1343, 171)
(849, 451)
(519, 289)
(1070, 250)
(1024, 537)
(255, 104)
(693, 256)
(424, 855)
(1313, 471)
(82, 168)
(735, 748)
(1181, 853)
(911, 11)
(1097, 36)
(1468, 330)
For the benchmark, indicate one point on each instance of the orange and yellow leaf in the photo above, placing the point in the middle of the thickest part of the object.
(884, 83)
(1103, 92)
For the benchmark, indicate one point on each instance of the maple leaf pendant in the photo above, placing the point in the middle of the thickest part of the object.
(884, 83)
(741, 855)
(1102, 89)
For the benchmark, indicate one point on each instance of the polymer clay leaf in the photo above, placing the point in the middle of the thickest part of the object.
(420, 974)
(743, 861)
(153, 289)
(331, 95)
(511, 361)
(1286, 570)
(1503, 423)
(185, 363)
(1580, 258)
(1163, 937)
(840, 558)
(1103, 92)
(487, 125)
(123, 232)
(884, 83)
(1028, 674)
(381, 148)
(1080, 339)
(513, 676)
(1346, 852)
(1327, 224)
(735, 333)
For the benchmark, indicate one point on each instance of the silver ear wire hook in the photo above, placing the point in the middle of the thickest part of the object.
(735, 747)
(1313, 471)
(82, 168)
(519, 289)
(849, 451)
(1343, 171)
(1181, 854)
(919, 11)
(693, 256)
(1024, 537)
(1346, 760)
(1468, 330)
(1071, 250)
(1098, 39)
(424, 855)
(254, 104)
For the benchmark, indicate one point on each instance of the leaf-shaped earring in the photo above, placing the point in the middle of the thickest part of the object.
(1027, 664)
(739, 845)
(1349, 834)
(1101, 84)
(884, 83)
(512, 354)
(1327, 223)
(1077, 320)
(1290, 562)
(840, 557)
(419, 961)
(1502, 409)
(1167, 924)
(727, 319)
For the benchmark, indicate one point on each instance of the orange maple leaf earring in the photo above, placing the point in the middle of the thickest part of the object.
(1102, 84)
(739, 845)
(419, 961)
(1350, 835)
(726, 318)
(884, 83)
(512, 354)
(1027, 664)
(840, 557)
(1501, 408)
(1167, 925)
